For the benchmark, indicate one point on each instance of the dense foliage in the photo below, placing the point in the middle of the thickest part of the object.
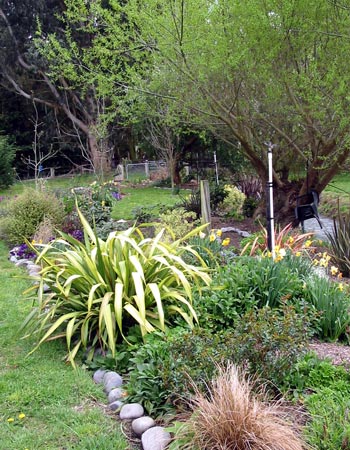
(7, 156)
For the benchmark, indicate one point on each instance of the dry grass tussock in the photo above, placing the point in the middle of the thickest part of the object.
(232, 417)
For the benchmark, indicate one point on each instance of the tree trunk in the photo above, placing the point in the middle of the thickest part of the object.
(99, 159)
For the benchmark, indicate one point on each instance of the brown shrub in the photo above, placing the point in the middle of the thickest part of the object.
(233, 417)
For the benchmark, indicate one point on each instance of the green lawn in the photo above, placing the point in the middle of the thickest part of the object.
(63, 408)
(336, 193)
(145, 197)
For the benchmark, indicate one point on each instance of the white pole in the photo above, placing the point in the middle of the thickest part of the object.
(216, 169)
(270, 212)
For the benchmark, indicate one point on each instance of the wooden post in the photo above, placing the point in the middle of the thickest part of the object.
(205, 202)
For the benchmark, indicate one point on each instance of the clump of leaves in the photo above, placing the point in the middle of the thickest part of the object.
(333, 303)
(99, 289)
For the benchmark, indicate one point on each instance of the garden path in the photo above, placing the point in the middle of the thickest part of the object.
(312, 226)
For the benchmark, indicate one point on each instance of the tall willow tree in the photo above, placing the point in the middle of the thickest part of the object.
(258, 72)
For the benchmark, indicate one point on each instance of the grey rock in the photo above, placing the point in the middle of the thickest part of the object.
(131, 411)
(115, 394)
(34, 267)
(13, 259)
(156, 438)
(114, 406)
(140, 425)
(112, 380)
(98, 376)
(22, 262)
(34, 274)
(46, 288)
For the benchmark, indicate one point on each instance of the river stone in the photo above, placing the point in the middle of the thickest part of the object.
(13, 258)
(115, 394)
(98, 376)
(34, 274)
(142, 424)
(34, 267)
(114, 406)
(112, 380)
(131, 411)
(155, 438)
(22, 262)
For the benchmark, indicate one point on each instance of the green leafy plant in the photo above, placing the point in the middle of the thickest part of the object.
(160, 370)
(26, 212)
(177, 223)
(271, 341)
(329, 298)
(339, 241)
(266, 342)
(102, 288)
(233, 202)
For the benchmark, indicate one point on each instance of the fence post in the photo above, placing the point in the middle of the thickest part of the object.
(205, 202)
(147, 169)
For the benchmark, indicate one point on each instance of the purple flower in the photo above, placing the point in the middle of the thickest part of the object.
(77, 234)
(116, 195)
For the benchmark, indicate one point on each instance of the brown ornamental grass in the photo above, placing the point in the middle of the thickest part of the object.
(232, 416)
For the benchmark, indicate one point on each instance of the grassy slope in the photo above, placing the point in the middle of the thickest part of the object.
(63, 407)
(144, 197)
(337, 192)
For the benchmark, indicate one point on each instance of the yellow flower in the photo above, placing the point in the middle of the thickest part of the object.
(291, 240)
(10, 419)
(212, 237)
(21, 416)
(334, 270)
(226, 242)
(298, 254)
(308, 243)
(219, 233)
(323, 262)
(269, 254)
(103, 203)
(315, 262)
(341, 286)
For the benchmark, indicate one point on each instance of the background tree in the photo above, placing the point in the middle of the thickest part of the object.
(258, 72)
(78, 65)
(7, 156)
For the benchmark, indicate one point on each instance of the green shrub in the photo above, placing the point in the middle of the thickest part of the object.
(7, 156)
(266, 342)
(26, 213)
(177, 223)
(332, 302)
(100, 289)
(251, 282)
(233, 203)
(160, 370)
(271, 341)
